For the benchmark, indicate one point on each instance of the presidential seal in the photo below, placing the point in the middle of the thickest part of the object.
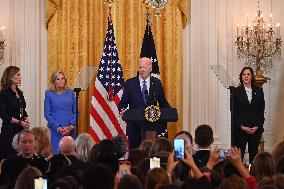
(152, 113)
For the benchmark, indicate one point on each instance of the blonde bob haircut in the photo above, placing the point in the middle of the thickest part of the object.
(53, 78)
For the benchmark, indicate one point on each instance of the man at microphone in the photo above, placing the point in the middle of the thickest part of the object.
(139, 92)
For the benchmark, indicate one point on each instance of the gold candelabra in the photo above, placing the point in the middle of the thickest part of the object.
(257, 44)
(2, 45)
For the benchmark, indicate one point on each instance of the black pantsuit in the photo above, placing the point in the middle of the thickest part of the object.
(11, 106)
(248, 114)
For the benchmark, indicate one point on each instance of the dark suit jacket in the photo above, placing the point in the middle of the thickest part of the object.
(132, 94)
(245, 113)
(201, 158)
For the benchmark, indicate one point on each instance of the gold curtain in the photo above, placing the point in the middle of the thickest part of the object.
(76, 34)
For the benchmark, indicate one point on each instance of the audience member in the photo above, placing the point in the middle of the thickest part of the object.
(136, 155)
(42, 135)
(280, 165)
(146, 145)
(233, 182)
(26, 178)
(182, 171)
(157, 177)
(67, 148)
(129, 182)
(263, 165)
(276, 181)
(159, 145)
(13, 166)
(98, 176)
(203, 139)
(84, 143)
(120, 146)
(278, 150)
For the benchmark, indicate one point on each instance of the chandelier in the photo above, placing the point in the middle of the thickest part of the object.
(257, 45)
(156, 4)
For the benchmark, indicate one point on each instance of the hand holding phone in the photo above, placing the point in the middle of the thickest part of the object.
(224, 153)
(124, 168)
(179, 149)
(154, 163)
(40, 183)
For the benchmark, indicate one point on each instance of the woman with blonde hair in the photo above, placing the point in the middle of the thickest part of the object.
(59, 109)
(84, 143)
(43, 146)
(12, 110)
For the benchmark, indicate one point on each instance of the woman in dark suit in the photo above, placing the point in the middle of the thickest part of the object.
(12, 110)
(248, 111)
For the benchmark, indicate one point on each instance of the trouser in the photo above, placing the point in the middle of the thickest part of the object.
(242, 139)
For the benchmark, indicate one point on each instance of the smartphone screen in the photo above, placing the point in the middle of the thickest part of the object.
(224, 153)
(179, 149)
(154, 163)
(40, 183)
(124, 168)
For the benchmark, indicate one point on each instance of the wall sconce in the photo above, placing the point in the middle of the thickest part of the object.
(2, 45)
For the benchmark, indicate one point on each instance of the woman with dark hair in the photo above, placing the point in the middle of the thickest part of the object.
(59, 109)
(263, 165)
(248, 113)
(12, 110)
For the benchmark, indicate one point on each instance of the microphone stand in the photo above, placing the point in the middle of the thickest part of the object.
(77, 91)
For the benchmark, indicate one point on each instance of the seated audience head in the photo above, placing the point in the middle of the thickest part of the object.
(120, 146)
(136, 155)
(144, 166)
(204, 136)
(169, 186)
(42, 135)
(84, 143)
(157, 177)
(98, 176)
(26, 179)
(129, 182)
(27, 143)
(106, 146)
(263, 165)
(233, 182)
(56, 162)
(67, 146)
(280, 165)
(94, 153)
(187, 137)
(278, 150)
(146, 145)
(277, 182)
(139, 174)
(159, 145)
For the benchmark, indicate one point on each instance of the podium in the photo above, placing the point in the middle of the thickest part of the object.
(137, 116)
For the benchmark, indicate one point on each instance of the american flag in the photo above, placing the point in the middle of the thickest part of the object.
(105, 121)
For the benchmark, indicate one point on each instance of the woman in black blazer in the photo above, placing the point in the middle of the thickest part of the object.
(248, 113)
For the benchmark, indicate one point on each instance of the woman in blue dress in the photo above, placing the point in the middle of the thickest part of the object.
(59, 109)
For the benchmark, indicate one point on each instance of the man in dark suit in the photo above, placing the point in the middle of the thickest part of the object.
(137, 93)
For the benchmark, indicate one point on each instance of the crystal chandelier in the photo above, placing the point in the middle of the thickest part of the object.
(257, 44)
(156, 4)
